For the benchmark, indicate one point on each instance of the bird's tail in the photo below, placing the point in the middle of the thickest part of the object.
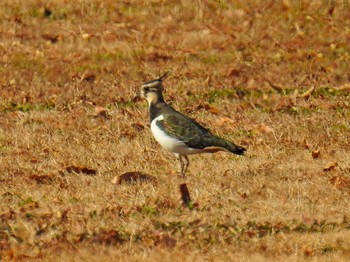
(238, 150)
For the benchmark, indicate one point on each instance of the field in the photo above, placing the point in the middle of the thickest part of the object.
(273, 76)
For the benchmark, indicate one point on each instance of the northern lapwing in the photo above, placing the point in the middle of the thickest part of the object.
(178, 133)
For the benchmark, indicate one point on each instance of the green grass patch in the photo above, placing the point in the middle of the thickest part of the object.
(23, 61)
(341, 127)
(124, 104)
(27, 201)
(211, 59)
(25, 107)
(325, 91)
(220, 93)
(107, 56)
(148, 210)
(87, 67)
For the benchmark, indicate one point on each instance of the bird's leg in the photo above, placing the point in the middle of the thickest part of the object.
(186, 164)
(182, 165)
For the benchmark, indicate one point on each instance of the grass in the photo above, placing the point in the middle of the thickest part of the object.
(70, 121)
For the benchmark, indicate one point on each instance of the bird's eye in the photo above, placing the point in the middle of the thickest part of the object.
(146, 89)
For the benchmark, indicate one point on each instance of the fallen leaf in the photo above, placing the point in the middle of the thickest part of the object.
(243, 195)
(306, 144)
(263, 128)
(18, 20)
(80, 169)
(164, 240)
(185, 195)
(315, 153)
(88, 77)
(308, 251)
(63, 215)
(8, 216)
(7, 253)
(340, 181)
(212, 109)
(107, 237)
(28, 204)
(226, 120)
(233, 72)
(139, 126)
(52, 38)
(330, 166)
(279, 226)
(101, 112)
(331, 9)
(307, 220)
(34, 160)
(263, 248)
(41, 179)
(251, 233)
(156, 56)
(133, 177)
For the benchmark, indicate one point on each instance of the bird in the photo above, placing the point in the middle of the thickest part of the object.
(178, 133)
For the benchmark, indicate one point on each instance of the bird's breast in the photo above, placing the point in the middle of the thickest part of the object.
(167, 141)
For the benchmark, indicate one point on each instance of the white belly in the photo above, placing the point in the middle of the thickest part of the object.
(170, 143)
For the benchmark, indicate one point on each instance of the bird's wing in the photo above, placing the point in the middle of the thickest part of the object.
(193, 134)
(185, 129)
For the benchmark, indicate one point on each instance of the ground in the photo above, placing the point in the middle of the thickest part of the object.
(272, 76)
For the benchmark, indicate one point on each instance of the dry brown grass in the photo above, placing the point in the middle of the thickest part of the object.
(69, 75)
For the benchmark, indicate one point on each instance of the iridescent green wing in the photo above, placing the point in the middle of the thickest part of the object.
(185, 129)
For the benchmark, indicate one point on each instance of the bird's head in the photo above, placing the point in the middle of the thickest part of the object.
(152, 91)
